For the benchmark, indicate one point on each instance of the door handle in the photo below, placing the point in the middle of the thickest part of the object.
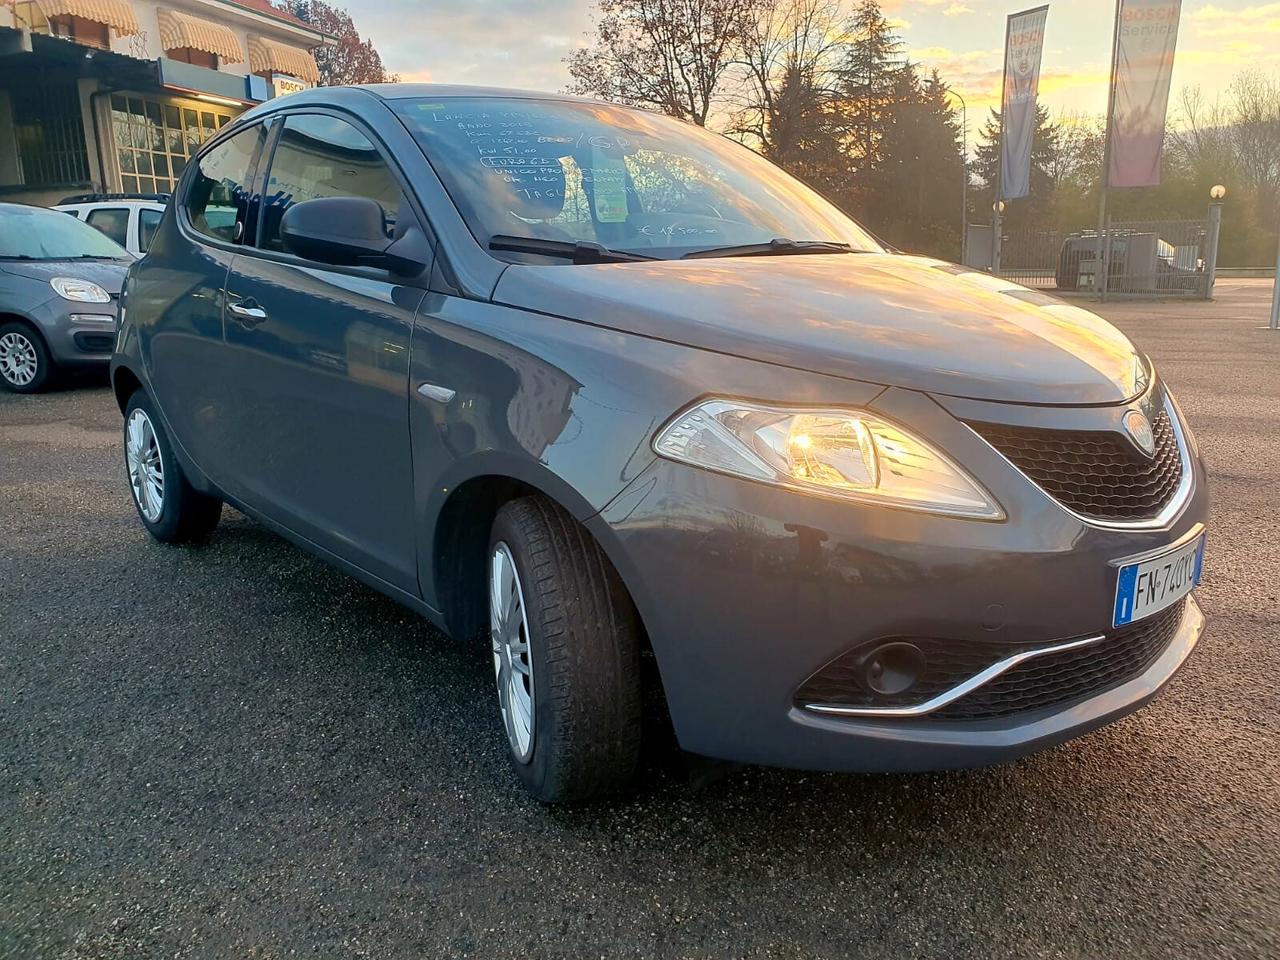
(247, 313)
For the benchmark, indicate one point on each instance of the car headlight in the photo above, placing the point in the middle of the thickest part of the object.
(81, 291)
(845, 454)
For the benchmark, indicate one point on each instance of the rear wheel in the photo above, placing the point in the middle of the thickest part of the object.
(565, 640)
(25, 365)
(169, 507)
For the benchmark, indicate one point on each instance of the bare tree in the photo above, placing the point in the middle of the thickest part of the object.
(788, 58)
(1235, 139)
(668, 55)
(1255, 135)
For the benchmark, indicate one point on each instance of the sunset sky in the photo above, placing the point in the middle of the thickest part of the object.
(522, 43)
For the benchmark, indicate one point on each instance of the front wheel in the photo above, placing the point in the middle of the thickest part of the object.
(170, 508)
(25, 365)
(565, 640)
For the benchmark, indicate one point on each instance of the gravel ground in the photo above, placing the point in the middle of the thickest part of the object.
(234, 751)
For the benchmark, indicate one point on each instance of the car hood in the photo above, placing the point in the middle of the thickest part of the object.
(896, 320)
(108, 274)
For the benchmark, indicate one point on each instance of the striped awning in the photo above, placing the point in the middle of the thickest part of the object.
(179, 30)
(276, 57)
(117, 14)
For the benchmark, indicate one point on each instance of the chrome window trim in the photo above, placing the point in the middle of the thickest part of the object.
(980, 679)
(1172, 510)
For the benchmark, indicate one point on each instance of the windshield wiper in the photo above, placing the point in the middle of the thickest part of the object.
(777, 247)
(579, 251)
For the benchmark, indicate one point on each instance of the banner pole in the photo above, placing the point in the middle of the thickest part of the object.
(1100, 271)
(997, 211)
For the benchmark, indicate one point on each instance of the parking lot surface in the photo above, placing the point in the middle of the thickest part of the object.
(235, 751)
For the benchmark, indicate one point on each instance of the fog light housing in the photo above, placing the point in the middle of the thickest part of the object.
(893, 668)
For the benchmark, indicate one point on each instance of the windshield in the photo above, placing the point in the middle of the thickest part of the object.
(628, 180)
(34, 233)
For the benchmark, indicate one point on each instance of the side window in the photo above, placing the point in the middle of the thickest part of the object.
(113, 221)
(218, 199)
(323, 156)
(148, 224)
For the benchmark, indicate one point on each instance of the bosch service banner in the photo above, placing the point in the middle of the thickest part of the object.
(1024, 43)
(1148, 34)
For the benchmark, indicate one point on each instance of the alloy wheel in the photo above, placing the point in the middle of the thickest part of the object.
(512, 658)
(146, 468)
(19, 362)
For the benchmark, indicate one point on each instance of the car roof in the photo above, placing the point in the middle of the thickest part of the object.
(122, 202)
(413, 91)
(115, 195)
(354, 96)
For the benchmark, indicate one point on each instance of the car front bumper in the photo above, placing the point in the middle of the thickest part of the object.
(746, 590)
(77, 334)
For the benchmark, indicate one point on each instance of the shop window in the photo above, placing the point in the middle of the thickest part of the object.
(155, 139)
(82, 31)
(49, 134)
(199, 58)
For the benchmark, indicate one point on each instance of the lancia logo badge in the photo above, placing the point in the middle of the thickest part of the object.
(1139, 430)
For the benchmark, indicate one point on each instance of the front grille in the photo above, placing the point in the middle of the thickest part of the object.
(1097, 474)
(1044, 681)
(1059, 678)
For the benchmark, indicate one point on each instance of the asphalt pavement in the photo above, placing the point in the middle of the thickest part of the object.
(234, 751)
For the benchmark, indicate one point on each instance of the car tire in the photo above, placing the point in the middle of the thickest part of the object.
(169, 507)
(25, 364)
(580, 662)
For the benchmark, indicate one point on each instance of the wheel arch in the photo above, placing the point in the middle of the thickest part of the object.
(124, 384)
(25, 321)
(459, 538)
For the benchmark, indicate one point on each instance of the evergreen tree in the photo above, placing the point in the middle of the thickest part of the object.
(1037, 207)
(869, 81)
(916, 190)
(804, 135)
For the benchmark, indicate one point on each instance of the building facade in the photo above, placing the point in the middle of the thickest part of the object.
(117, 95)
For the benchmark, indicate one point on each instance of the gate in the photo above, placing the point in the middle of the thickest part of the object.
(1156, 258)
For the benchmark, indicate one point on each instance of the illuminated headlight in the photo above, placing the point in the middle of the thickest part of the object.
(81, 291)
(846, 454)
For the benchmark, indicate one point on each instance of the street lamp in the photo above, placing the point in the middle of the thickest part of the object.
(1217, 192)
(964, 165)
(998, 207)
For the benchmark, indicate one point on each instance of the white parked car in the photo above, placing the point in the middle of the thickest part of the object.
(130, 219)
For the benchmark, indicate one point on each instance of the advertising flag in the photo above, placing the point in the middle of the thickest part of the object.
(1024, 43)
(1146, 37)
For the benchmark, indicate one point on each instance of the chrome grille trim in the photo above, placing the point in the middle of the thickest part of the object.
(959, 690)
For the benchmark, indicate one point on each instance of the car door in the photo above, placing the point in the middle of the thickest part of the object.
(176, 302)
(320, 396)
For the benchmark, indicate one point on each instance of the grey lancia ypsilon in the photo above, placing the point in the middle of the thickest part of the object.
(601, 386)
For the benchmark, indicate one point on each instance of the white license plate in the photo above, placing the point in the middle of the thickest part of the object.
(1151, 585)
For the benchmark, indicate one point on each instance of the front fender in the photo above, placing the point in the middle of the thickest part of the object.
(563, 407)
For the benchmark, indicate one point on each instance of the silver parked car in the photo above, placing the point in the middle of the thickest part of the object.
(59, 288)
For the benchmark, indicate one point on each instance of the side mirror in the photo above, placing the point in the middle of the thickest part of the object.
(346, 231)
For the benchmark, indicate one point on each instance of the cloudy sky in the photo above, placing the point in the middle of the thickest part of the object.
(522, 43)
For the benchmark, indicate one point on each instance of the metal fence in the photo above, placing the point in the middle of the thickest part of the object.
(1158, 258)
